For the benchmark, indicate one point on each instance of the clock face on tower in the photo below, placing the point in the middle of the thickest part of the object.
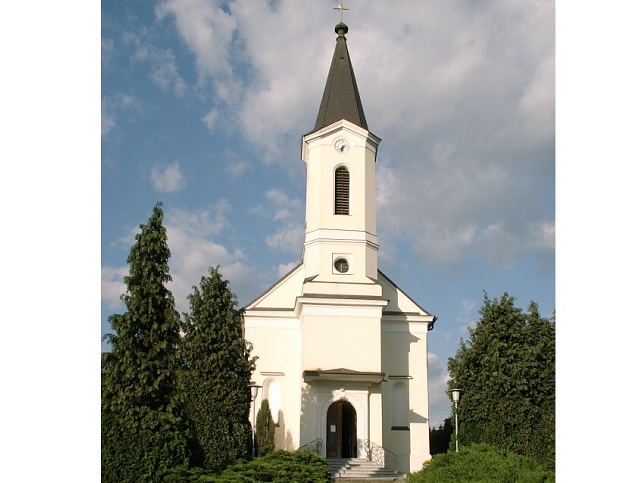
(342, 146)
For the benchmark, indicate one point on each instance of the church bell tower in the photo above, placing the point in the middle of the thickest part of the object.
(342, 350)
(340, 243)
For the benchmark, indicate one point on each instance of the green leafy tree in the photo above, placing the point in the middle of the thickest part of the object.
(216, 374)
(265, 429)
(143, 427)
(507, 373)
(441, 436)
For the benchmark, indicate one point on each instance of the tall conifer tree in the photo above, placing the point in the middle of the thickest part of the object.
(143, 430)
(217, 372)
(265, 429)
(506, 371)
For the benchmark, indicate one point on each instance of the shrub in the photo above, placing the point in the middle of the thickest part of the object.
(140, 450)
(265, 430)
(281, 467)
(182, 474)
(276, 467)
(482, 463)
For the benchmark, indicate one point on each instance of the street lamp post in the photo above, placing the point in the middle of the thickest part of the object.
(253, 394)
(456, 396)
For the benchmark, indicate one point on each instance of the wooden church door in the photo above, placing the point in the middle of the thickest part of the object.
(341, 440)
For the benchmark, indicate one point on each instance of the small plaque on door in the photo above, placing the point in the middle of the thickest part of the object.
(333, 428)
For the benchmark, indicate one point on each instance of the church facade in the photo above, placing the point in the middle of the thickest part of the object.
(342, 350)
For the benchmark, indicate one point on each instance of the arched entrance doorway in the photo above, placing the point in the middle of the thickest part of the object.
(341, 434)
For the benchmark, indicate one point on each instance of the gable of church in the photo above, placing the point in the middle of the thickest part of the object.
(282, 294)
(399, 302)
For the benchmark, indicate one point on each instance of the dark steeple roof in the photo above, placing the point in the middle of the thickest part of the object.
(341, 99)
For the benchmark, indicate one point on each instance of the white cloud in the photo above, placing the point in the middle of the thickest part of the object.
(167, 179)
(465, 110)
(279, 207)
(535, 106)
(164, 73)
(208, 31)
(282, 101)
(190, 238)
(194, 248)
(467, 317)
(500, 244)
(108, 119)
(450, 205)
(112, 286)
(204, 222)
(437, 377)
(288, 214)
(237, 168)
(284, 268)
(283, 207)
(467, 306)
(287, 239)
(543, 237)
(113, 106)
(210, 119)
(107, 51)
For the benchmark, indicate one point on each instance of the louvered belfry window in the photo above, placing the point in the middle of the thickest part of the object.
(342, 191)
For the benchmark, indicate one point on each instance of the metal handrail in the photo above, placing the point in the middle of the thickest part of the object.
(314, 446)
(380, 455)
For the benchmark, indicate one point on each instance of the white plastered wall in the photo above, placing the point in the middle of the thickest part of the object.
(330, 332)
(277, 343)
(404, 361)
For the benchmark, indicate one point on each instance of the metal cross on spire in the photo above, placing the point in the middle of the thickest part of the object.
(342, 8)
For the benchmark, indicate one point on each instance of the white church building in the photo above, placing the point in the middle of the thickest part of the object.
(342, 350)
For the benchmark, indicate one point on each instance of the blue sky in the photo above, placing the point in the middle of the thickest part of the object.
(203, 105)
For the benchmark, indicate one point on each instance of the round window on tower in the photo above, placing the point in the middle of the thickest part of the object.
(341, 265)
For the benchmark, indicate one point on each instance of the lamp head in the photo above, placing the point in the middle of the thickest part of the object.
(254, 388)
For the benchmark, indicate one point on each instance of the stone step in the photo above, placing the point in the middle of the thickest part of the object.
(359, 470)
